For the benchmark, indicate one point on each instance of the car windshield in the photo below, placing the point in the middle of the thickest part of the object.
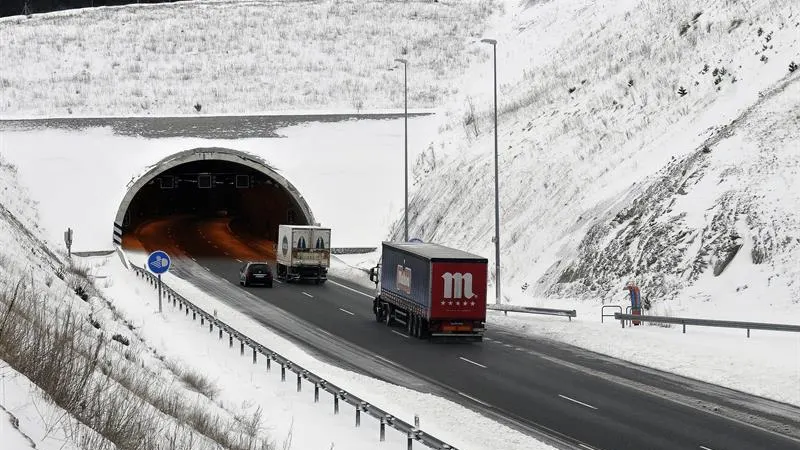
(259, 268)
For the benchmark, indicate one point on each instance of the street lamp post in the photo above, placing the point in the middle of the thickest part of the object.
(405, 172)
(493, 43)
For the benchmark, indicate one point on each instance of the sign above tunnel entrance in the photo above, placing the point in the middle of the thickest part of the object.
(158, 262)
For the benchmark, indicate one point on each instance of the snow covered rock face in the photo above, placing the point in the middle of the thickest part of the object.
(607, 173)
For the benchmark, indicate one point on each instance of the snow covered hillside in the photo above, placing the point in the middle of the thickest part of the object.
(236, 57)
(650, 140)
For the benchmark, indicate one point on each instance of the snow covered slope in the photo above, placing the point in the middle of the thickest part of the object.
(648, 140)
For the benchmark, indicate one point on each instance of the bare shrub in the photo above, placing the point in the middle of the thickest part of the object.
(200, 383)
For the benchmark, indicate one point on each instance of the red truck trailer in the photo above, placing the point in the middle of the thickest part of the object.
(432, 290)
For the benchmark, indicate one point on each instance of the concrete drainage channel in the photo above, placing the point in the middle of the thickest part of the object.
(412, 432)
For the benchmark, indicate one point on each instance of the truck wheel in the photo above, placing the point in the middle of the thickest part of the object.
(376, 308)
(389, 319)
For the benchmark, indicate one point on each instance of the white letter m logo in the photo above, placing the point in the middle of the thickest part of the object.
(458, 285)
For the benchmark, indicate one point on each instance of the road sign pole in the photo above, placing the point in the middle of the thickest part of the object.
(159, 293)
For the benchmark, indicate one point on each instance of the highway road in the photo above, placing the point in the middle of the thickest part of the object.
(576, 398)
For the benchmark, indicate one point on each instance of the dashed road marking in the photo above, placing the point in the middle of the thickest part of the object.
(508, 345)
(475, 399)
(350, 289)
(576, 401)
(237, 259)
(705, 448)
(194, 259)
(400, 334)
(308, 295)
(519, 349)
(346, 311)
(586, 446)
(471, 362)
(208, 269)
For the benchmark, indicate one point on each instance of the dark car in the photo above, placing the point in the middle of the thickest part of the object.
(254, 273)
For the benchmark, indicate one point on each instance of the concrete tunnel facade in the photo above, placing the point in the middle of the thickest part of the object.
(264, 199)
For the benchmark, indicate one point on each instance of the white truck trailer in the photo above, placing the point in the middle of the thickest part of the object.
(303, 253)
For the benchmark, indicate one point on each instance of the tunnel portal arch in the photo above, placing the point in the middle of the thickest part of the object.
(207, 154)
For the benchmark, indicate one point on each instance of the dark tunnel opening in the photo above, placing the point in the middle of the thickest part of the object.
(249, 200)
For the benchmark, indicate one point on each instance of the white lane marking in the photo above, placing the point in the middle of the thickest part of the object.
(704, 447)
(487, 339)
(519, 349)
(208, 269)
(576, 401)
(237, 259)
(308, 295)
(346, 311)
(586, 446)
(194, 259)
(350, 289)
(278, 281)
(400, 334)
(507, 345)
(474, 399)
(471, 362)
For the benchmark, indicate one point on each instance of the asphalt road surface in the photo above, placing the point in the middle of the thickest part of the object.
(571, 397)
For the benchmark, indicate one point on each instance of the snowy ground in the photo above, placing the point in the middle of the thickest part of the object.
(589, 105)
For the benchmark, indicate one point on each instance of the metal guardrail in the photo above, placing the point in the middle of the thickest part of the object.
(708, 323)
(603, 311)
(570, 313)
(412, 432)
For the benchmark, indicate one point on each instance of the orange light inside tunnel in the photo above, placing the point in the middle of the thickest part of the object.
(190, 236)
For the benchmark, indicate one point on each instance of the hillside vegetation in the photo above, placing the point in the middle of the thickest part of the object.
(239, 57)
(647, 140)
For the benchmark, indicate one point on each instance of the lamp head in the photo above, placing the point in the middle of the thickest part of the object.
(489, 41)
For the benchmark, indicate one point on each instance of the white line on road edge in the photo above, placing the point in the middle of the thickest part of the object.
(704, 447)
(471, 362)
(586, 446)
(400, 334)
(346, 311)
(576, 401)
(308, 295)
(474, 399)
(350, 289)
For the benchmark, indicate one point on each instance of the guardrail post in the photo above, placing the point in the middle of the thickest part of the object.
(299, 382)
(283, 372)
(748, 332)
(220, 333)
(230, 340)
(684, 327)
(241, 348)
(336, 401)
(210, 326)
(202, 320)
(254, 355)
(316, 392)
(194, 315)
(410, 441)
(383, 429)
(268, 363)
(358, 415)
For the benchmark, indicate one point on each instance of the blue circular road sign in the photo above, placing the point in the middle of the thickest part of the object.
(158, 262)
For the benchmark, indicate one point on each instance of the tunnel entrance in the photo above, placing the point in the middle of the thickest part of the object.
(212, 184)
